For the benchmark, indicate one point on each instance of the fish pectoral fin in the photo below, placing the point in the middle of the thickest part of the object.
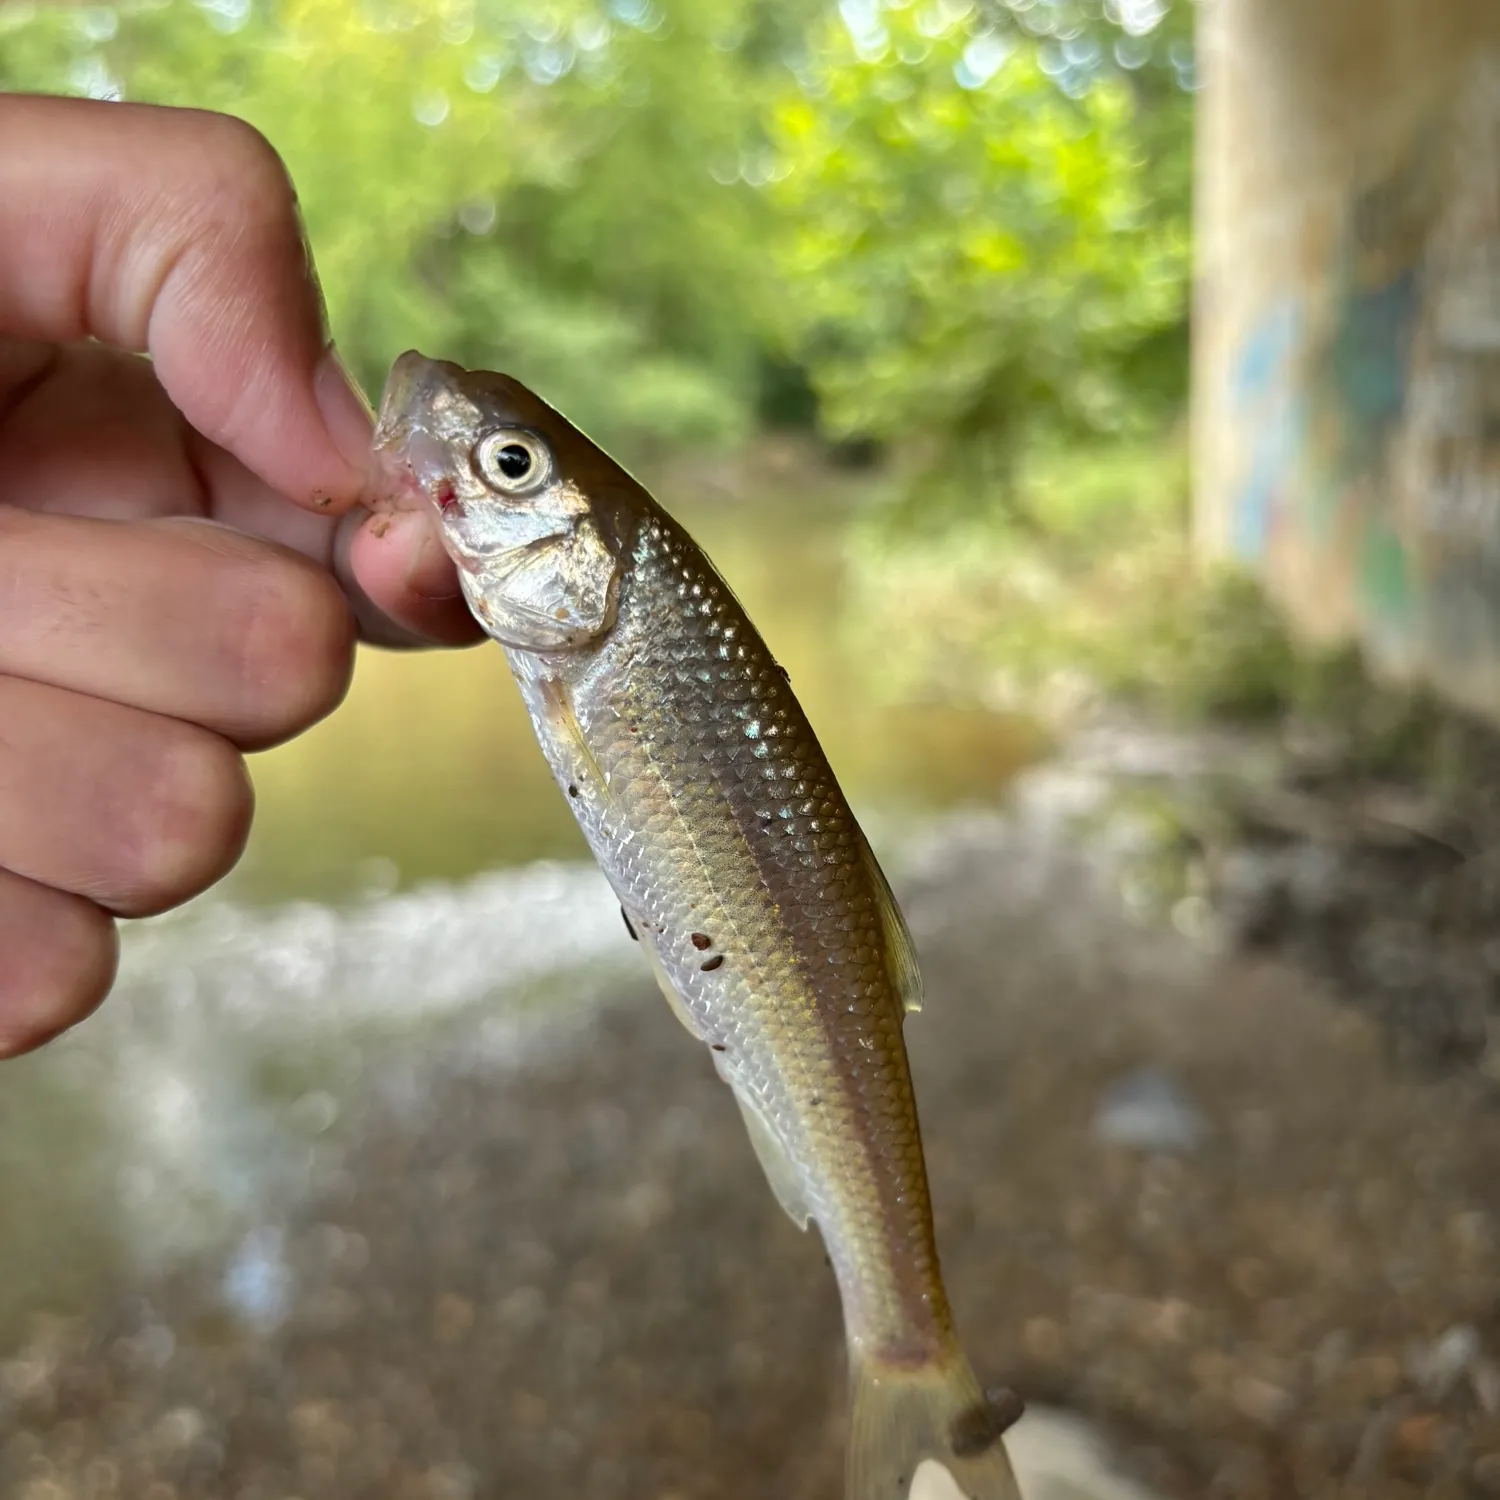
(900, 951)
(668, 989)
(780, 1172)
(566, 728)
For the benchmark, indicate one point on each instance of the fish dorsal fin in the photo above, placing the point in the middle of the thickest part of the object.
(783, 1176)
(900, 952)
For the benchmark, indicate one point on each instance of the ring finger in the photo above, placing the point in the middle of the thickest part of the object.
(60, 953)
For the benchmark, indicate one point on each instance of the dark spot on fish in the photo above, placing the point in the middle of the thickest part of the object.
(710, 964)
(628, 928)
(1007, 1406)
(701, 940)
(814, 1100)
(572, 789)
(978, 1429)
(717, 1047)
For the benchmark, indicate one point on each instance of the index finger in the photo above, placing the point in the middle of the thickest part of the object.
(176, 233)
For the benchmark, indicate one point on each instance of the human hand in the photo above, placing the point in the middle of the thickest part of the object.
(183, 564)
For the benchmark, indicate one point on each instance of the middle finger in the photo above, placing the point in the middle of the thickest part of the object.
(180, 617)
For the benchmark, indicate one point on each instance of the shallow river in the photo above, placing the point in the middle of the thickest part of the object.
(413, 869)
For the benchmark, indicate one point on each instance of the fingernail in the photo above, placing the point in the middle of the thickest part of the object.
(348, 416)
(430, 574)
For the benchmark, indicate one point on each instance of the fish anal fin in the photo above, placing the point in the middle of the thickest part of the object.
(780, 1172)
(900, 951)
(668, 989)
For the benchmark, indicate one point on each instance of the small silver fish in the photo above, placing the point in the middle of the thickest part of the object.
(708, 802)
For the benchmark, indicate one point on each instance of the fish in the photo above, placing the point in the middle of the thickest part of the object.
(707, 801)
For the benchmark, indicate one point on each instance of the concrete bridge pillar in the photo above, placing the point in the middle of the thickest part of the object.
(1347, 322)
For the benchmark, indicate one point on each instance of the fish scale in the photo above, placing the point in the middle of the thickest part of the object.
(801, 910)
(707, 801)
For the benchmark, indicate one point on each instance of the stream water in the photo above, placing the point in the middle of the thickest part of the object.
(413, 869)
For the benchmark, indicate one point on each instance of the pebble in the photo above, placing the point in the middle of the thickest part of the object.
(452, 1318)
(570, 1280)
(452, 1481)
(1149, 1110)
(1044, 1340)
(1440, 1367)
(1374, 1376)
(1250, 1277)
(1262, 1401)
(1241, 1476)
(1332, 1354)
(257, 1282)
(178, 1430)
(1417, 1435)
(320, 1427)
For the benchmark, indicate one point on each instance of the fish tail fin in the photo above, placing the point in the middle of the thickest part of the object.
(903, 1416)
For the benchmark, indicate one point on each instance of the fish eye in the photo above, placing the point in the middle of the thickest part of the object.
(513, 462)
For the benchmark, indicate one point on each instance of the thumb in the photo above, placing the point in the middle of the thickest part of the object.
(177, 233)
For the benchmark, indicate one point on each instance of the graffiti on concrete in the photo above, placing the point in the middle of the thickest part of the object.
(1364, 404)
(1447, 468)
(1267, 401)
(1358, 387)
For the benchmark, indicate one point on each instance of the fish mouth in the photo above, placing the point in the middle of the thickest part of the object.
(409, 462)
(410, 386)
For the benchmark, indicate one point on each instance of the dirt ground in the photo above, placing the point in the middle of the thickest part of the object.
(1185, 1192)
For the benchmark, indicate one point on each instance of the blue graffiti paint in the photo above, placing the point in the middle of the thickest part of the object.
(1250, 530)
(1368, 355)
(1266, 352)
(1261, 386)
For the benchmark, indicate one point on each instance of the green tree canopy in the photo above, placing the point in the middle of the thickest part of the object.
(651, 208)
(971, 249)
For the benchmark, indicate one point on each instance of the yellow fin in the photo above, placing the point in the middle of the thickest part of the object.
(774, 1162)
(664, 984)
(566, 727)
(904, 1417)
(900, 951)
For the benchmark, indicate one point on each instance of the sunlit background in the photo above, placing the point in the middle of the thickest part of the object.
(814, 270)
(385, 1173)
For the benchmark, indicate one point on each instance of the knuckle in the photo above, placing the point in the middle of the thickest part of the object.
(246, 168)
(295, 649)
(57, 971)
(191, 824)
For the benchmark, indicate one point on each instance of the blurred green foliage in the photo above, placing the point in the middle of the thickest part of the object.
(936, 224)
(975, 255)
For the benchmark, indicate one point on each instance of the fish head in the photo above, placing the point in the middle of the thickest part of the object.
(528, 508)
